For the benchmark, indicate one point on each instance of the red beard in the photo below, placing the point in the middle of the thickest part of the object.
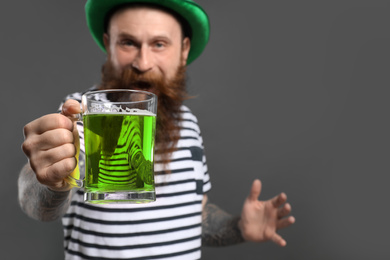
(171, 94)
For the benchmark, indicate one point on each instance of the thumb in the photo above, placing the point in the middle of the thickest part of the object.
(70, 108)
(255, 190)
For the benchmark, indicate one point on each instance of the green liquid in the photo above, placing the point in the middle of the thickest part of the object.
(119, 152)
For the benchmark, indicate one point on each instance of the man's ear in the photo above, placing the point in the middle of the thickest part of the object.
(185, 50)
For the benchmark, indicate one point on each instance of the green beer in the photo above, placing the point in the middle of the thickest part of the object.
(119, 149)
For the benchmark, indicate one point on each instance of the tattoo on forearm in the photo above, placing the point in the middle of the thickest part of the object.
(219, 228)
(37, 201)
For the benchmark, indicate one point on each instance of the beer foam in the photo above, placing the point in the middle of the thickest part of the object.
(99, 109)
(133, 111)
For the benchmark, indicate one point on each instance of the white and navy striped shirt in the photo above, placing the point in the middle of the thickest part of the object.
(169, 228)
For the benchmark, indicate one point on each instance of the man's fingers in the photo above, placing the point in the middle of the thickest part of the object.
(57, 172)
(41, 161)
(255, 190)
(284, 211)
(57, 154)
(70, 108)
(47, 123)
(285, 222)
(46, 141)
(64, 167)
(278, 201)
(277, 239)
(55, 138)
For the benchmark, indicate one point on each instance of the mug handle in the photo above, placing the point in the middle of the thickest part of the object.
(74, 178)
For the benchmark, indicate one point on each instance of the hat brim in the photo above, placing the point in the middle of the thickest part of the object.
(96, 11)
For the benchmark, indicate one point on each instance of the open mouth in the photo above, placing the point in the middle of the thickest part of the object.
(142, 85)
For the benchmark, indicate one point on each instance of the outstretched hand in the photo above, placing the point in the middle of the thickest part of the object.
(261, 219)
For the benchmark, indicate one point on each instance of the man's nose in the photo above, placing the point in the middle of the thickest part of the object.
(143, 61)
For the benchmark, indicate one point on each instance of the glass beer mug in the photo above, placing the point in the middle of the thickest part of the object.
(119, 138)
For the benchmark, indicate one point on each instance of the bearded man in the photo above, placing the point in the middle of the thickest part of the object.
(149, 43)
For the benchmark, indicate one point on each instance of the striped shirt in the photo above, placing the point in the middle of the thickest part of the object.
(169, 228)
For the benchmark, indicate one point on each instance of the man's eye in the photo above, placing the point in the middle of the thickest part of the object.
(159, 45)
(127, 43)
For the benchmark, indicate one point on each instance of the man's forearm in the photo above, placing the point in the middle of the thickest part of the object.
(39, 202)
(219, 228)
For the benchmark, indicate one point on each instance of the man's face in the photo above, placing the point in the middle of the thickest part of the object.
(146, 40)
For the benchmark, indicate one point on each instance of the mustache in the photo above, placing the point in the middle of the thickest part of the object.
(171, 90)
(129, 78)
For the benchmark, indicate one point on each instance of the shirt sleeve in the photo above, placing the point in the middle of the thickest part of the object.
(192, 121)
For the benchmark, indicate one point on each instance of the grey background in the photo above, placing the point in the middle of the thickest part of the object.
(292, 92)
